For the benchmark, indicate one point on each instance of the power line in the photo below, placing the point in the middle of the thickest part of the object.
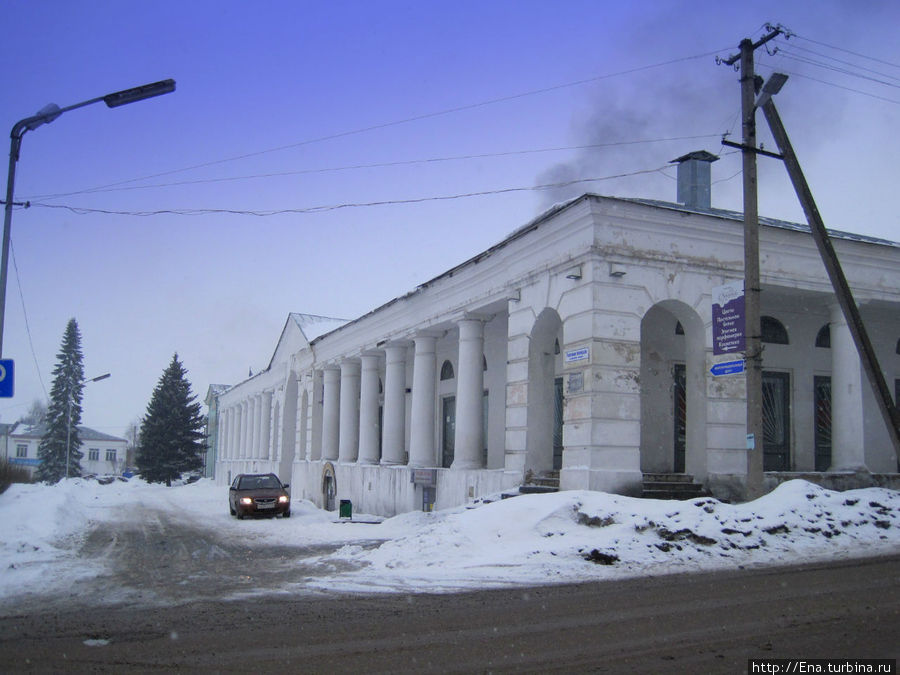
(781, 49)
(25, 316)
(377, 165)
(834, 84)
(843, 71)
(846, 51)
(334, 207)
(415, 118)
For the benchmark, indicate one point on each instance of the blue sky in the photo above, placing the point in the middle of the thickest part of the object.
(448, 98)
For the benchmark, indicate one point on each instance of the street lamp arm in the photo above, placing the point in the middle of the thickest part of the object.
(44, 116)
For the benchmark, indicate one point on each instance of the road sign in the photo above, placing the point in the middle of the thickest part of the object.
(728, 318)
(7, 379)
(728, 368)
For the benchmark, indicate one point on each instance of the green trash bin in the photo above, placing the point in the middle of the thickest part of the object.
(346, 509)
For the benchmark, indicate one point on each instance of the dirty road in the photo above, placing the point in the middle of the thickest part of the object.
(175, 597)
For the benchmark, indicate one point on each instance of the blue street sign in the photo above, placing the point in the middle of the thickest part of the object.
(728, 368)
(6, 378)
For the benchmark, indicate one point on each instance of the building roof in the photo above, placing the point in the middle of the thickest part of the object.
(38, 431)
(561, 206)
(768, 222)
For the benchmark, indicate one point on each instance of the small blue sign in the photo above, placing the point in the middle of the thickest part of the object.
(7, 379)
(728, 368)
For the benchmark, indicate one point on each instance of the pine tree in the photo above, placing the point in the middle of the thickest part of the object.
(64, 413)
(172, 438)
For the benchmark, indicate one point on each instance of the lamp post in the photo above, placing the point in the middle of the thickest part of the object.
(69, 417)
(44, 116)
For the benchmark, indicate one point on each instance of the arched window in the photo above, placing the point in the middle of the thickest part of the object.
(773, 331)
(823, 339)
(679, 329)
(556, 346)
(447, 371)
(484, 363)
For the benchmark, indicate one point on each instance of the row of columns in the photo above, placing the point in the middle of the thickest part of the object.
(245, 429)
(351, 401)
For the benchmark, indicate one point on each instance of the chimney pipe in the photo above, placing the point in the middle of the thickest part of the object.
(694, 179)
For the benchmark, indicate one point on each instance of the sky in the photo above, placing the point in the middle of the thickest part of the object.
(193, 223)
(566, 537)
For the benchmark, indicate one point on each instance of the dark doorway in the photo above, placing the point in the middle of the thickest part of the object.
(329, 489)
(679, 396)
(557, 423)
(448, 435)
(776, 395)
(822, 436)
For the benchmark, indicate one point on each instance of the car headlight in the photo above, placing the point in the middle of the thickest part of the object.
(246, 501)
(283, 499)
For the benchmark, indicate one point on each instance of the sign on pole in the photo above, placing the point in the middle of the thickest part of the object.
(728, 318)
(7, 379)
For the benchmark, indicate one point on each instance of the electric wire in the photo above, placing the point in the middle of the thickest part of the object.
(781, 49)
(415, 118)
(37, 368)
(785, 54)
(846, 51)
(835, 85)
(334, 207)
(378, 165)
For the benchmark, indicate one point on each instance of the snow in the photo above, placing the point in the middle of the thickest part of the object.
(564, 537)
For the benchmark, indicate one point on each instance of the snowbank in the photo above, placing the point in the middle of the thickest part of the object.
(530, 539)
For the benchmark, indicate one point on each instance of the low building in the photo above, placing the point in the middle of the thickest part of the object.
(578, 349)
(103, 453)
(212, 428)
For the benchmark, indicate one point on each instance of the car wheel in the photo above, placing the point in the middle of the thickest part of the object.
(232, 511)
(240, 516)
(286, 514)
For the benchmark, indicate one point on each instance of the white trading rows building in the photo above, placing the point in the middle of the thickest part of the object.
(581, 344)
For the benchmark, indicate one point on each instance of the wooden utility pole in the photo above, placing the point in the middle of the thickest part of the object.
(889, 411)
(752, 328)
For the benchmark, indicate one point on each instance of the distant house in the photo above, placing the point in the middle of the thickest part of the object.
(212, 428)
(103, 453)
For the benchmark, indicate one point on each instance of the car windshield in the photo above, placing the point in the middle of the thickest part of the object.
(259, 482)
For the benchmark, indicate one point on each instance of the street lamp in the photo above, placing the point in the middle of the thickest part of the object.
(69, 417)
(44, 116)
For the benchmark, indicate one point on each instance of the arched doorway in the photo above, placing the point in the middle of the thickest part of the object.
(673, 390)
(545, 402)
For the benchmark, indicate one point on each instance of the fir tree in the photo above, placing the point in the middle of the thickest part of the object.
(64, 413)
(172, 437)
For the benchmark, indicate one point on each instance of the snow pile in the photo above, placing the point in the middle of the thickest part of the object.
(579, 536)
(530, 539)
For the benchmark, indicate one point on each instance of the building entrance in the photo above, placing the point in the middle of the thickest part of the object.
(448, 432)
(776, 394)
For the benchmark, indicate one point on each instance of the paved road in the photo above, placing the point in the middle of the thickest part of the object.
(708, 623)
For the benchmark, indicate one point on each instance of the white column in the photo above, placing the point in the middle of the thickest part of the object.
(330, 413)
(316, 401)
(256, 418)
(847, 379)
(226, 434)
(349, 428)
(368, 410)
(421, 432)
(266, 444)
(222, 453)
(468, 450)
(244, 451)
(393, 443)
(235, 432)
